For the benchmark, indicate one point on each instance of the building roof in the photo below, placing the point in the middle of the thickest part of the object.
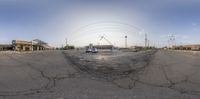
(192, 45)
(40, 42)
(22, 42)
(47, 46)
(5, 45)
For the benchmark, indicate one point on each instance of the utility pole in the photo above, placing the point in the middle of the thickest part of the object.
(66, 42)
(168, 43)
(172, 40)
(146, 40)
(126, 41)
(62, 46)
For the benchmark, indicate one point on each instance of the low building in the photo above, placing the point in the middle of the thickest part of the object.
(22, 45)
(30, 45)
(195, 47)
(102, 46)
(137, 47)
(40, 45)
(6, 47)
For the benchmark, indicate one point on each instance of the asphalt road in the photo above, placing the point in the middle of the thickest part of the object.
(127, 75)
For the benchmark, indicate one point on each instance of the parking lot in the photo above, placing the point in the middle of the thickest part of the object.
(154, 74)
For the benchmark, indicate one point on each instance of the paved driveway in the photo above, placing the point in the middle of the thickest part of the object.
(68, 75)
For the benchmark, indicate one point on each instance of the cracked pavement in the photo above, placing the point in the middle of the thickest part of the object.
(117, 75)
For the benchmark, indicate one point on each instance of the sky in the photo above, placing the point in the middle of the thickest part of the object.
(81, 22)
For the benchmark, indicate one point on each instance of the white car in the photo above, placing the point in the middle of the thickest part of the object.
(94, 50)
(88, 50)
(91, 50)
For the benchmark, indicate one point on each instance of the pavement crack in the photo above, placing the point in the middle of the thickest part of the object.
(111, 74)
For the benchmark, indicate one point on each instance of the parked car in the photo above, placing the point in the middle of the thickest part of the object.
(94, 50)
(88, 50)
(91, 50)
